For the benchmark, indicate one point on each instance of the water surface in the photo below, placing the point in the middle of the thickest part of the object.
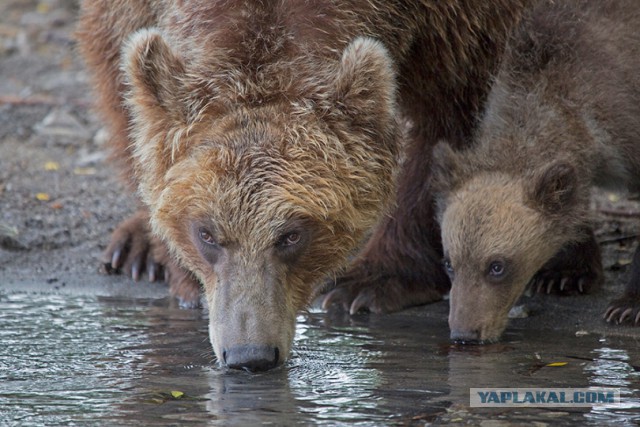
(91, 360)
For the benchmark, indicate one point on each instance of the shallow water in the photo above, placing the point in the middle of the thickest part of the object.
(87, 360)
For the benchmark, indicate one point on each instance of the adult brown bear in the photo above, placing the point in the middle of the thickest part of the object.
(263, 138)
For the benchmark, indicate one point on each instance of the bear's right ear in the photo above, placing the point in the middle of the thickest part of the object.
(555, 188)
(364, 89)
(152, 73)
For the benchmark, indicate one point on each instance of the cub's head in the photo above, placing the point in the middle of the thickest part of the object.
(498, 229)
(261, 195)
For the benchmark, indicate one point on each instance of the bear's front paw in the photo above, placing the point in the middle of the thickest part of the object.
(565, 282)
(130, 250)
(577, 268)
(359, 291)
(624, 309)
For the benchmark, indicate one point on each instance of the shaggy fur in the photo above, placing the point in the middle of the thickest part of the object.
(563, 114)
(263, 139)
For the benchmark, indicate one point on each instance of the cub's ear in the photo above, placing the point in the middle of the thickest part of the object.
(554, 188)
(446, 168)
(365, 86)
(152, 73)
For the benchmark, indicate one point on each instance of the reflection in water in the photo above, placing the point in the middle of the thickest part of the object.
(57, 359)
(524, 362)
(612, 367)
(478, 366)
(329, 371)
(99, 361)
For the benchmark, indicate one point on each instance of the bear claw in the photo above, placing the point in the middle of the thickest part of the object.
(564, 285)
(115, 258)
(134, 251)
(379, 294)
(343, 296)
(623, 310)
(577, 268)
(130, 250)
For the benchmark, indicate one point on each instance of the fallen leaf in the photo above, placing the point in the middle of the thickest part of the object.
(624, 261)
(556, 364)
(51, 166)
(43, 7)
(43, 197)
(176, 394)
(56, 205)
(84, 171)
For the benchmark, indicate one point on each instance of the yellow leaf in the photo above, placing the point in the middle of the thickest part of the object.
(43, 7)
(624, 261)
(554, 364)
(43, 197)
(51, 166)
(84, 171)
(176, 394)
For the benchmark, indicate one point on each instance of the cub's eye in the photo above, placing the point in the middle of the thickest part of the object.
(289, 239)
(207, 237)
(448, 266)
(496, 269)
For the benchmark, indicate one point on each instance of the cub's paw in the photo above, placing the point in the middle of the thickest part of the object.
(565, 282)
(130, 250)
(624, 309)
(359, 290)
(576, 269)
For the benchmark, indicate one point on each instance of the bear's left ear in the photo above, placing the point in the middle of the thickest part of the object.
(554, 188)
(153, 72)
(365, 86)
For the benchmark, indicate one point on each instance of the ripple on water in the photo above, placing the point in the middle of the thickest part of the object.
(99, 361)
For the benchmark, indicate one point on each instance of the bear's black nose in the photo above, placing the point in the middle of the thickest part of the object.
(465, 337)
(251, 358)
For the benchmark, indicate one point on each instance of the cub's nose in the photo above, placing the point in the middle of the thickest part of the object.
(465, 337)
(252, 358)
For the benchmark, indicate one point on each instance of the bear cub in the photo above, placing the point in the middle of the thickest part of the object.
(563, 114)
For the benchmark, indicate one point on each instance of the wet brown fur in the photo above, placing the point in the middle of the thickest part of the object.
(325, 119)
(563, 114)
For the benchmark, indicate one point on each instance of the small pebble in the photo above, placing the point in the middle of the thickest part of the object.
(519, 312)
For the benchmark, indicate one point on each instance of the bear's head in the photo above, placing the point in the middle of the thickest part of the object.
(499, 227)
(261, 195)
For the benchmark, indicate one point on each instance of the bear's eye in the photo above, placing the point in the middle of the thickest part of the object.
(289, 239)
(448, 266)
(496, 269)
(207, 237)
